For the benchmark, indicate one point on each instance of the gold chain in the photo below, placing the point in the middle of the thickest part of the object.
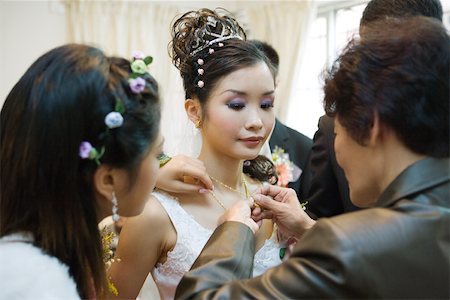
(217, 199)
(244, 182)
(230, 188)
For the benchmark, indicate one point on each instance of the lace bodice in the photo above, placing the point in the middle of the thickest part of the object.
(191, 238)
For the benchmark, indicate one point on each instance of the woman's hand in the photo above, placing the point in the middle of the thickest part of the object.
(184, 174)
(283, 207)
(240, 212)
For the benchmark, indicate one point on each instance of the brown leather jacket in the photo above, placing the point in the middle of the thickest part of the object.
(398, 249)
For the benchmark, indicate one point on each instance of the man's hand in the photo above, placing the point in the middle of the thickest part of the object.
(240, 212)
(283, 207)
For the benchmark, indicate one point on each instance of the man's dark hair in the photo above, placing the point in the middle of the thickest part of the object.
(381, 9)
(398, 72)
(269, 51)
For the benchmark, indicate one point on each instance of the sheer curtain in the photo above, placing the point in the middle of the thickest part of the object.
(119, 27)
(284, 25)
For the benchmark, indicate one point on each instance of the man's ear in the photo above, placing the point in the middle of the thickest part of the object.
(194, 111)
(376, 131)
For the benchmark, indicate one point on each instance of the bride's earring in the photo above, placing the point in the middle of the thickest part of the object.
(198, 123)
(115, 215)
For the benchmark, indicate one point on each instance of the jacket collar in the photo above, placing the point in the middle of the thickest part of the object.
(281, 131)
(421, 175)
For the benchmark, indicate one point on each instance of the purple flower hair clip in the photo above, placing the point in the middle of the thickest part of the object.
(86, 151)
(137, 85)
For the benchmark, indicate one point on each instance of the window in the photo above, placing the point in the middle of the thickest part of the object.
(336, 23)
(330, 32)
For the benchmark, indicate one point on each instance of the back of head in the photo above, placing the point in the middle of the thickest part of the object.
(270, 52)
(399, 71)
(46, 187)
(381, 9)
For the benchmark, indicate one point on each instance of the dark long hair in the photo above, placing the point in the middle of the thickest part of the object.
(233, 55)
(46, 188)
(399, 70)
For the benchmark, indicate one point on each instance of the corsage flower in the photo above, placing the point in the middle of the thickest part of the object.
(283, 165)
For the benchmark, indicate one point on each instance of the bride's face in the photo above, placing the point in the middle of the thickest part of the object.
(239, 112)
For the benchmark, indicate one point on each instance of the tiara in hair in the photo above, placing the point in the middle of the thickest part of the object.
(228, 32)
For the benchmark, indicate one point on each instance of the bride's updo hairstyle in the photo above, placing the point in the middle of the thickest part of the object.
(206, 46)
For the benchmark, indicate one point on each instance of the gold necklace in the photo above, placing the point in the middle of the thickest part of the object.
(217, 199)
(244, 182)
(230, 188)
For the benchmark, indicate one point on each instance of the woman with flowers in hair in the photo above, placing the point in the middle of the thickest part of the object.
(229, 88)
(79, 141)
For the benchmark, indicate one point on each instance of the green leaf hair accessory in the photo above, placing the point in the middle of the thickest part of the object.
(120, 107)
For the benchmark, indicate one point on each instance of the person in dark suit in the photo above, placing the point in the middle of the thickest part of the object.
(389, 92)
(298, 146)
(328, 195)
(294, 143)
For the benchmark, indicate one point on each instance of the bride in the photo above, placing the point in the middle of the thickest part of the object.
(229, 86)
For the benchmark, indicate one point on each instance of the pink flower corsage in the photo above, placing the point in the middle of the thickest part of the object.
(283, 165)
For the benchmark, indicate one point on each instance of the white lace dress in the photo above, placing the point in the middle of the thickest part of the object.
(191, 238)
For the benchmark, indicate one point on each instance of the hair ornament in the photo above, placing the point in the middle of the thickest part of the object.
(200, 84)
(220, 44)
(87, 151)
(211, 50)
(114, 119)
(138, 54)
(137, 85)
(202, 35)
(200, 71)
(139, 66)
(200, 61)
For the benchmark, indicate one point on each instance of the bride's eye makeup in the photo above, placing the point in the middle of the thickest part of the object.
(267, 103)
(236, 104)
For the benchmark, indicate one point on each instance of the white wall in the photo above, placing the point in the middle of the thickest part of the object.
(27, 30)
(30, 28)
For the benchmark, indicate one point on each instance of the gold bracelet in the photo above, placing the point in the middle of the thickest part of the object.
(163, 159)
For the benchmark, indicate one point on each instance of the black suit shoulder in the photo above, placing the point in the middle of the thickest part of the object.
(298, 146)
(328, 195)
